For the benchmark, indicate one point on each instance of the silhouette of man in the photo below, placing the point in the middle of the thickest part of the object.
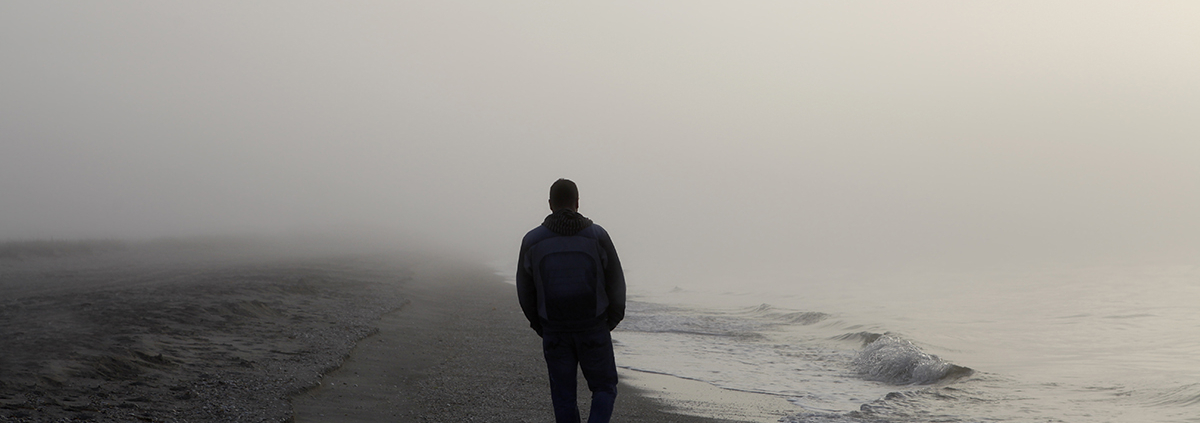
(572, 290)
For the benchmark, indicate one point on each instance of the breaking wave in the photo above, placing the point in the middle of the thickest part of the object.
(900, 362)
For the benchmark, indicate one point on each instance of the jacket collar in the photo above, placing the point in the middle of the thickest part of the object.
(566, 222)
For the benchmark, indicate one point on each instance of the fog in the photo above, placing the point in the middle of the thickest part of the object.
(720, 139)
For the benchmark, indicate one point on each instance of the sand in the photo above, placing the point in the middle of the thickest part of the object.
(461, 351)
(187, 334)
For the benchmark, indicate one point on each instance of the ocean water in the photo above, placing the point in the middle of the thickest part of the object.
(1098, 344)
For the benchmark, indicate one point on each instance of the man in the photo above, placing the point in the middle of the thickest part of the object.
(572, 290)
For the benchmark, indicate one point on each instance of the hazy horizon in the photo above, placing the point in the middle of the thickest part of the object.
(709, 138)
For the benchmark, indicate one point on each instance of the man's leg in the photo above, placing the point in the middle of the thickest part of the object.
(562, 361)
(600, 369)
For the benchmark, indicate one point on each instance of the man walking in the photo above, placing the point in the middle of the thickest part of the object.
(572, 290)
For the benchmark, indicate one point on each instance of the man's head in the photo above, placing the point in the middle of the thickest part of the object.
(564, 195)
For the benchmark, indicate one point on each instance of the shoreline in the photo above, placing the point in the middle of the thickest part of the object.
(461, 351)
(237, 334)
(702, 399)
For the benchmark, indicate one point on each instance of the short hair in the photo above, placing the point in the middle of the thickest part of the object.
(563, 194)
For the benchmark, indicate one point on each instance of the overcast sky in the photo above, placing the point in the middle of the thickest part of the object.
(703, 134)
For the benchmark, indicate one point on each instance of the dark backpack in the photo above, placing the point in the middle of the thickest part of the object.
(569, 274)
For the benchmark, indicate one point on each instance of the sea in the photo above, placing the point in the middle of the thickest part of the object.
(1069, 344)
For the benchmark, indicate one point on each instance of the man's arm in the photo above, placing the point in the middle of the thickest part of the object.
(527, 292)
(614, 282)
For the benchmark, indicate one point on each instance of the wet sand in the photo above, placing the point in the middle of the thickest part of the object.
(461, 351)
(219, 333)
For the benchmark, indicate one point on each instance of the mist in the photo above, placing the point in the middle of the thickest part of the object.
(711, 139)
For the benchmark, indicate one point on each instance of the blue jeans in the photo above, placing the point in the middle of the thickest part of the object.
(592, 352)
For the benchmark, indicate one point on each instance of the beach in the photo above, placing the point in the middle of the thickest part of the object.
(201, 332)
(229, 330)
(462, 351)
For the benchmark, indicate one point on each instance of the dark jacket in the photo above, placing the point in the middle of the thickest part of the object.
(569, 277)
